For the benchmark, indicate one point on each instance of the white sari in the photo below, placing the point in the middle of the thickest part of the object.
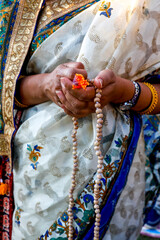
(41, 187)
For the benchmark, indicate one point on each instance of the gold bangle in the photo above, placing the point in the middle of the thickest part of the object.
(20, 105)
(154, 99)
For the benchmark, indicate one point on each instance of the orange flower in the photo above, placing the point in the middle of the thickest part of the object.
(79, 82)
(3, 188)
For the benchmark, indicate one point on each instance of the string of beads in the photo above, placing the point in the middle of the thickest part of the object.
(99, 125)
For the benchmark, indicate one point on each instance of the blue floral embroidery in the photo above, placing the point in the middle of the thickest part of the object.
(64, 217)
(105, 9)
(18, 216)
(88, 198)
(34, 155)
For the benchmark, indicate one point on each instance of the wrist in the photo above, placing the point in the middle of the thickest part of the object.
(144, 99)
(44, 87)
(31, 90)
(124, 90)
(127, 105)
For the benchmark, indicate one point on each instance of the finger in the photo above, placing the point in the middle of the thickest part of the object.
(54, 98)
(74, 65)
(78, 109)
(104, 78)
(74, 107)
(60, 98)
(80, 114)
(69, 72)
(80, 94)
(70, 102)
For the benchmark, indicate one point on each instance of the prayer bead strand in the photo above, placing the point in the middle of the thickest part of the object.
(73, 178)
(100, 162)
(99, 125)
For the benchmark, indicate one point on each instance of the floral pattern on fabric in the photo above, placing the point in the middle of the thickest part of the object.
(83, 210)
(105, 9)
(18, 216)
(54, 25)
(129, 68)
(34, 155)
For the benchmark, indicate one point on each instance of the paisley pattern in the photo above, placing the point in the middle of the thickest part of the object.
(58, 146)
(53, 25)
(126, 68)
(8, 14)
(53, 168)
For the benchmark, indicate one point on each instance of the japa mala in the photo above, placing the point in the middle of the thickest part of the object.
(80, 82)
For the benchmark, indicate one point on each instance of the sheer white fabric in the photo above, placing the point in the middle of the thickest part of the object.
(98, 42)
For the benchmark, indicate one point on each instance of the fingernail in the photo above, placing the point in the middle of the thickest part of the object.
(62, 85)
(59, 92)
(59, 104)
(101, 82)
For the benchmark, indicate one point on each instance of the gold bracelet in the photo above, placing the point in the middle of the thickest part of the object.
(154, 99)
(20, 105)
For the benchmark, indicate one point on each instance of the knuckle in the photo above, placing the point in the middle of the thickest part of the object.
(71, 73)
(110, 74)
(59, 69)
(74, 105)
(82, 97)
(76, 112)
(79, 65)
(107, 72)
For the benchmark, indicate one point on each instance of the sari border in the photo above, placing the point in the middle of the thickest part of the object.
(109, 208)
(4, 145)
(21, 37)
(59, 11)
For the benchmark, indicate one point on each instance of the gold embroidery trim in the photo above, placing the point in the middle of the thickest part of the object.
(4, 145)
(56, 8)
(21, 37)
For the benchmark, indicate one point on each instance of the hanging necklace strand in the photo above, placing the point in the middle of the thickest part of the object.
(99, 125)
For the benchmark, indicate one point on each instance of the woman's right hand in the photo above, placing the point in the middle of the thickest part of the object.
(40, 88)
(52, 83)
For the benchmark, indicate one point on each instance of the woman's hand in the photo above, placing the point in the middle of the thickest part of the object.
(57, 87)
(39, 88)
(114, 88)
(76, 102)
(52, 83)
(79, 102)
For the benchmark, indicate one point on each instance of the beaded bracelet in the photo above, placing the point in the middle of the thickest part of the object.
(132, 102)
(19, 105)
(154, 99)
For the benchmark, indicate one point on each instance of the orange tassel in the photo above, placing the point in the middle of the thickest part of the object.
(3, 188)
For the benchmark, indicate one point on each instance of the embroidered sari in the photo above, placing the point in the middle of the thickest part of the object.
(100, 38)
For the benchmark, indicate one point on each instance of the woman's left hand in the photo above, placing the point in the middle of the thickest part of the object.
(80, 103)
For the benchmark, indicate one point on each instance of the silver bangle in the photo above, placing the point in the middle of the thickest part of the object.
(132, 102)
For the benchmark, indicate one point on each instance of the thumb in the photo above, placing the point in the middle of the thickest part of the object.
(98, 82)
